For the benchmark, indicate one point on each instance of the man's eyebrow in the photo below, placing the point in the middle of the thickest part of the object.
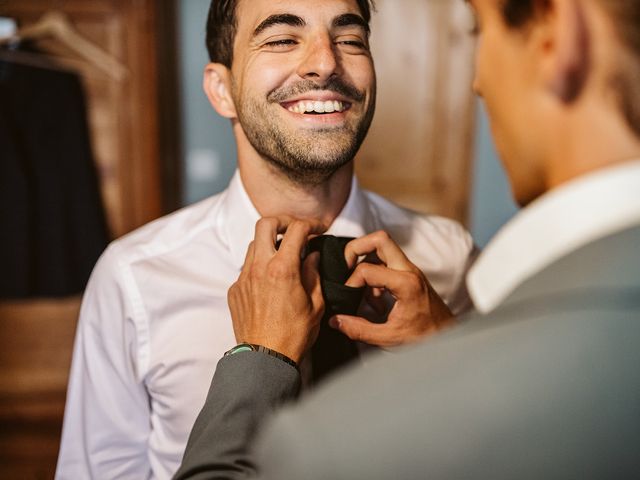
(350, 19)
(279, 19)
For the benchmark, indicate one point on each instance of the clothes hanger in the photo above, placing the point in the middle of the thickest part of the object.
(55, 24)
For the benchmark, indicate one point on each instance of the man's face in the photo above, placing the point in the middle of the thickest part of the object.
(505, 78)
(303, 83)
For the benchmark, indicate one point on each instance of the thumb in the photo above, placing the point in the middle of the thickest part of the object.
(311, 278)
(361, 330)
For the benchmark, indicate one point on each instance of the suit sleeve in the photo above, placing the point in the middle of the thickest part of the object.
(245, 389)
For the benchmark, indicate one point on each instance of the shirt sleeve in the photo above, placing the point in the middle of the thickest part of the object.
(107, 414)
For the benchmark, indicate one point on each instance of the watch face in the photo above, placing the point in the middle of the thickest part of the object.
(243, 347)
(248, 347)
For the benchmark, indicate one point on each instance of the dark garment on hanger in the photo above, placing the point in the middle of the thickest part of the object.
(52, 222)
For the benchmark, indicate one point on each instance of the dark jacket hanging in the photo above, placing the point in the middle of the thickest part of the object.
(52, 223)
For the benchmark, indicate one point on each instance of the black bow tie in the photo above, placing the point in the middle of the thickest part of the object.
(333, 349)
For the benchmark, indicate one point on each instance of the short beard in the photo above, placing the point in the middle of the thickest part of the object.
(305, 160)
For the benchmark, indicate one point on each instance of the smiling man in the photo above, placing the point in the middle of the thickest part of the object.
(544, 385)
(296, 80)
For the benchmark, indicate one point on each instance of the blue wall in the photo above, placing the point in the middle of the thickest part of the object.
(209, 148)
(491, 201)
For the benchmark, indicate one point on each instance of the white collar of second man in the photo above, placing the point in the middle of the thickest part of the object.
(566, 218)
(239, 217)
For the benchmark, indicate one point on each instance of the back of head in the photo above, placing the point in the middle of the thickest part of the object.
(624, 22)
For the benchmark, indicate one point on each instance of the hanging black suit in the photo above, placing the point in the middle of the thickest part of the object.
(52, 223)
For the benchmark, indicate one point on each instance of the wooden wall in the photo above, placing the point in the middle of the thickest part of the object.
(36, 336)
(36, 339)
(419, 148)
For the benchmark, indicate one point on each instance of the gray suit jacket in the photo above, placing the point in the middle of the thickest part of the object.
(547, 386)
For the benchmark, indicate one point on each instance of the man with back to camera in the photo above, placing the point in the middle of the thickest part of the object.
(545, 383)
(296, 80)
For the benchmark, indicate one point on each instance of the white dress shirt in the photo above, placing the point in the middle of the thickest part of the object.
(154, 322)
(566, 218)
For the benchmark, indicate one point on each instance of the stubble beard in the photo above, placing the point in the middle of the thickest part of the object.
(306, 157)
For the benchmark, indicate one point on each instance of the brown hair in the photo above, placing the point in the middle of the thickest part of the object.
(221, 28)
(625, 15)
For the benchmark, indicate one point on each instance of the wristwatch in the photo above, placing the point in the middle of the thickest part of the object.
(252, 347)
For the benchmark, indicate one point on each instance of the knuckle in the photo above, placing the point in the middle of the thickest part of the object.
(233, 292)
(358, 335)
(279, 270)
(414, 281)
(364, 269)
(266, 223)
(302, 225)
(253, 275)
(354, 330)
(381, 236)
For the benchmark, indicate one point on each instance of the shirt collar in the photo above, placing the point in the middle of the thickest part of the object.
(239, 217)
(564, 219)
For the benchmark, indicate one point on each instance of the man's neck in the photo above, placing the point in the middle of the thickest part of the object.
(273, 193)
(590, 141)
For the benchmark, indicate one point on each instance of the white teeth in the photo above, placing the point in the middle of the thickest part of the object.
(329, 106)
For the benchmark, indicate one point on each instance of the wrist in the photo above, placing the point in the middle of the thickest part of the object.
(252, 347)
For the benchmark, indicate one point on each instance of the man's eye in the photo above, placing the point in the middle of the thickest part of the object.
(286, 42)
(353, 45)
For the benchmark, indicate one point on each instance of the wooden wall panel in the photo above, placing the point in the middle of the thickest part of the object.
(36, 337)
(419, 147)
(36, 341)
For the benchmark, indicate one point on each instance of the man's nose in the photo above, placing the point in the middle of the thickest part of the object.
(320, 60)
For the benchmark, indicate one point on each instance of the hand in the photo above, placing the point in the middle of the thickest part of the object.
(418, 309)
(277, 300)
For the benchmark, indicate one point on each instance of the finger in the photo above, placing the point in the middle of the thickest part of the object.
(377, 292)
(383, 246)
(311, 279)
(361, 330)
(297, 236)
(399, 283)
(374, 298)
(266, 232)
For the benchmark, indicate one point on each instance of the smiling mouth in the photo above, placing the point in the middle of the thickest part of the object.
(311, 107)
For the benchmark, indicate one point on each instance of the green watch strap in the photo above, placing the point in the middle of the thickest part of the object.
(251, 347)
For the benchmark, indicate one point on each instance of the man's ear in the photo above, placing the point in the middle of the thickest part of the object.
(569, 59)
(217, 86)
